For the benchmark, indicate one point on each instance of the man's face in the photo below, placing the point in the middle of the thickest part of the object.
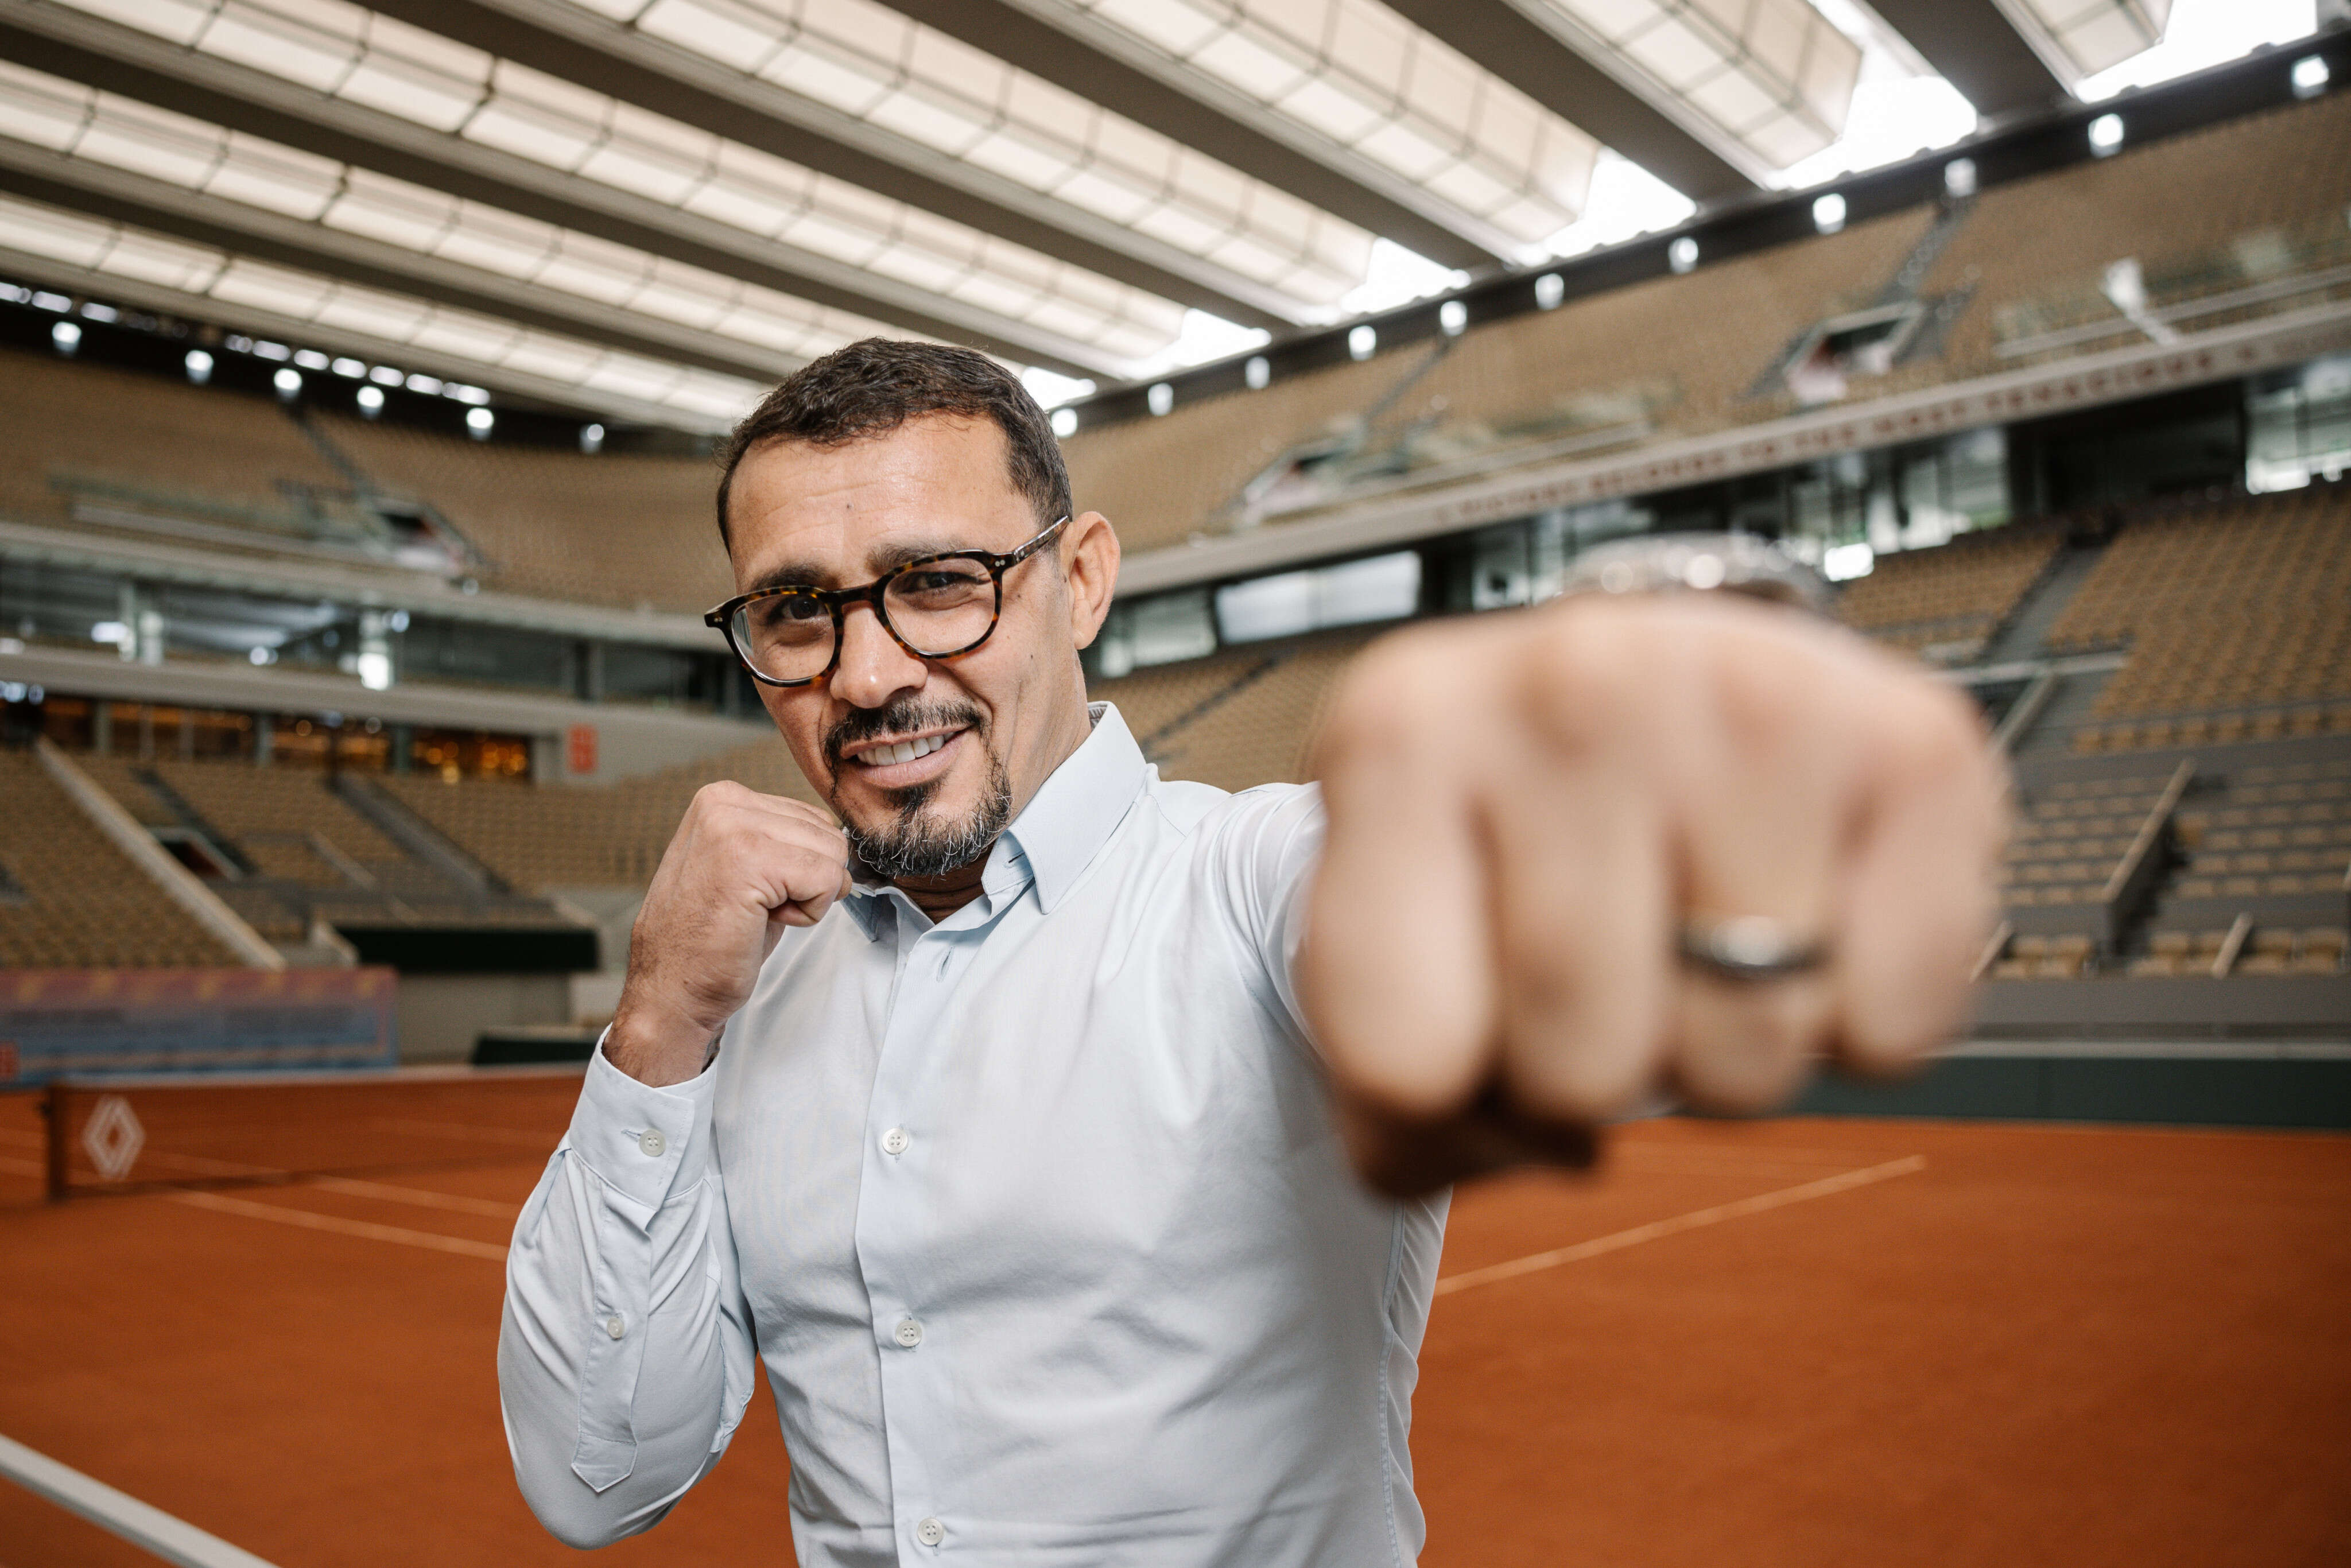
(925, 759)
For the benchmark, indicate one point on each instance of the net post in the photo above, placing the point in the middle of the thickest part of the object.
(53, 1113)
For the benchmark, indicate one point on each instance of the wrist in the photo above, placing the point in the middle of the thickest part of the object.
(656, 1046)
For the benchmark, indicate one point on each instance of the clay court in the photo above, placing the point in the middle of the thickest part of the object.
(1808, 1341)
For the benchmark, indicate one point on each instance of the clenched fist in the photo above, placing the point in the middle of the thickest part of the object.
(742, 866)
(1528, 816)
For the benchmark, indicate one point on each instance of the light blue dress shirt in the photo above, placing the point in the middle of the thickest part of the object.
(1037, 1216)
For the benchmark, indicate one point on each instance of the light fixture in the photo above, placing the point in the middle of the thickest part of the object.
(269, 351)
(1959, 178)
(429, 385)
(1160, 398)
(66, 336)
(1258, 372)
(96, 312)
(370, 401)
(2309, 76)
(350, 370)
(478, 422)
(591, 438)
(311, 360)
(1065, 423)
(261, 655)
(1363, 342)
(1828, 212)
(1452, 317)
(385, 376)
(1550, 289)
(2106, 135)
(200, 366)
(288, 383)
(1682, 255)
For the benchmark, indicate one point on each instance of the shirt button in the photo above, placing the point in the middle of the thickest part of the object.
(652, 1142)
(930, 1532)
(615, 1325)
(894, 1141)
(909, 1335)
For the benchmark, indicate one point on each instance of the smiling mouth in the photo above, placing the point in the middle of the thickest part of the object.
(886, 754)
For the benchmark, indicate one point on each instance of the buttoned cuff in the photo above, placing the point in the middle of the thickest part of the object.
(643, 1143)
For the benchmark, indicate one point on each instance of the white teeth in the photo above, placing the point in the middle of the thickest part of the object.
(905, 750)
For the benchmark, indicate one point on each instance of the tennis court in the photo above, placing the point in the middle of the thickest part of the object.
(1806, 1341)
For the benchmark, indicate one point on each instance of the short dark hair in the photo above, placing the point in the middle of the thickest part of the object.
(876, 384)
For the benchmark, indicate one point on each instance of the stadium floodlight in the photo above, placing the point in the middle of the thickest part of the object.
(2106, 135)
(385, 376)
(1161, 398)
(259, 655)
(66, 336)
(1550, 289)
(1843, 563)
(1960, 177)
(2309, 76)
(591, 438)
(311, 360)
(429, 385)
(1453, 317)
(269, 351)
(1363, 341)
(1258, 372)
(43, 300)
(478, 422)
(95, 311)
(1065, 423)
(1682, 255)
(288, 383)
(200, 366)
(1828, 212)
(370, 401)
(350, 370)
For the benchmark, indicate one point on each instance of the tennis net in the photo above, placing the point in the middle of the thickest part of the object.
(124, 1135)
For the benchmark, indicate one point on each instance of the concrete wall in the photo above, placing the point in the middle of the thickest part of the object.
(441, 1015)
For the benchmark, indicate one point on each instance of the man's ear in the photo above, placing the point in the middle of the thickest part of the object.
(1089, 562)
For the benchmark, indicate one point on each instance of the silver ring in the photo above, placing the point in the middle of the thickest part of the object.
(1748, 947)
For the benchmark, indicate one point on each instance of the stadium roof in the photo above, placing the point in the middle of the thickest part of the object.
(648, 208)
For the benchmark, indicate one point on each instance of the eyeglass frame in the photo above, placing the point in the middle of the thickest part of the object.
(838, 599)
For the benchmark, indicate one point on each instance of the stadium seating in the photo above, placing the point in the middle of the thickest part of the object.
(1246, 718)
(1953, 597)
(2033, 250)
(2237, 617)
(143, 443)
(537, 838)
(614, 529)
(71, 899)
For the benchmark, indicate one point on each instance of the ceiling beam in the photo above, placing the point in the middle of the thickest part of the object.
(576, 45)
(100, 190)
(123, 60)
(1973, 45)
(1101, 64)
(114, 287)
(1501, 38)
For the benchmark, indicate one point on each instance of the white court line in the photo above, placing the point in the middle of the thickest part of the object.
(341, 1226)
(175, 1541)
(1694, 1220)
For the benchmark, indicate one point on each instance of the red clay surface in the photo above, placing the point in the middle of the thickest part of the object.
(2043, 1345)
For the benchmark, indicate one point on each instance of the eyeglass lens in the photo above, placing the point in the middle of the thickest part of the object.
(938, 608)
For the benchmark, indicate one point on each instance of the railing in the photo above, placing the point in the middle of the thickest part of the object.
(2141, 867)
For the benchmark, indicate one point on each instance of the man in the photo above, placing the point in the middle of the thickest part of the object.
(1008, 1120)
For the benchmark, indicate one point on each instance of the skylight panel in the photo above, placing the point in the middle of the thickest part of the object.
(896, 74)
(1768, 81)
(559, 124)
(2079, 38)
(1367, 81)
(35, 107)
(293, 46)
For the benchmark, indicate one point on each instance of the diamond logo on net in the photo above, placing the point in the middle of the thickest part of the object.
(113, 1137)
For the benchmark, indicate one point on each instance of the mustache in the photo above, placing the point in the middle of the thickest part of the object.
(897, 716)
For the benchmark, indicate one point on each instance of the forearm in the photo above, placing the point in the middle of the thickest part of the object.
(624, 1358)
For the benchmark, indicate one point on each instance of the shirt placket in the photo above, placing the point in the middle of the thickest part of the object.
(913, 1338)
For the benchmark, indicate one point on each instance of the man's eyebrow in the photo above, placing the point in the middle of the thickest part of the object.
(883, 558)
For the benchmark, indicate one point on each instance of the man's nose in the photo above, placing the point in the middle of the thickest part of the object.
(872, 667)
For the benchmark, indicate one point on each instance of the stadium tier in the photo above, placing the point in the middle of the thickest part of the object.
(619, 528)
(69, 898)
(113, 450)
(1951, 599)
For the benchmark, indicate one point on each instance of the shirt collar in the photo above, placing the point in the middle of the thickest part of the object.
(1057, 834)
